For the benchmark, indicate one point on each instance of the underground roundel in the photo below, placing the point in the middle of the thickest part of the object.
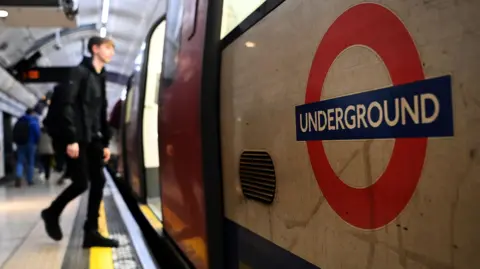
(412, 110)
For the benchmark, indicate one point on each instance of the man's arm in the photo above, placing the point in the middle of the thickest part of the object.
(68, 100)
(106, 133)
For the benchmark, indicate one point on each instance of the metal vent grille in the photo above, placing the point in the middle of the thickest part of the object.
(257, 176)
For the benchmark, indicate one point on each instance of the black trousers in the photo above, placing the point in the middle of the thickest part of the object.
(46, 163)
(87, 167)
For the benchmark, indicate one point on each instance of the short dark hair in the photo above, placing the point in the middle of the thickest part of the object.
(29, 111)
(97, 41)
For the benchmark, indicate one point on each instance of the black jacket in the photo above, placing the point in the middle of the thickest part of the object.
(84, 93)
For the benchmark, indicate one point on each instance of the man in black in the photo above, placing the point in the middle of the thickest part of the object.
(85, 129)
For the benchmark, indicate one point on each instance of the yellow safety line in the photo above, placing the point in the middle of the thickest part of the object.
(101, 258)
(156, 224)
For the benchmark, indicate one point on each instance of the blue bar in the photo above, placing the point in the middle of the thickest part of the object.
(355, 117)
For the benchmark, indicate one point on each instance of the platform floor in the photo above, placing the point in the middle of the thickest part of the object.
(24, 243)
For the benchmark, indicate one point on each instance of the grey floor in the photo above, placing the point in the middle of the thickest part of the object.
(23, 242)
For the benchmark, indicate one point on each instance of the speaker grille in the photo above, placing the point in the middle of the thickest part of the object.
(257, 176)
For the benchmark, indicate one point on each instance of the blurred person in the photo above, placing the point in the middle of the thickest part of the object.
(53, 124)
(41, 105)
(115, 123)
(26, 134)
(66, 173)
(86, 133)
(116, 115)
(45, 152)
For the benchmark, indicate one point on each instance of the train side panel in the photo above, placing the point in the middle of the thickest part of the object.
(425, 215)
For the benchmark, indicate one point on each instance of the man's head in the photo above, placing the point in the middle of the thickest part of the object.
(30, 111)
(102, 48)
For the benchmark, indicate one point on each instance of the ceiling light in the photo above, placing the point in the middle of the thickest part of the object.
(3, 13)
(103, 31)
(249, 44)
(105, 10)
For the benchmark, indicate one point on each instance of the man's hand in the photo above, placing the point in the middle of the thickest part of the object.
(73, 150)
(106, 154)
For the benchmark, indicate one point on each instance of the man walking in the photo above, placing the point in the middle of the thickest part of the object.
(86, 131)
(26, 134)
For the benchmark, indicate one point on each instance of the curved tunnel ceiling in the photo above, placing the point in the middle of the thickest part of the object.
(127, 25)
(50, 38)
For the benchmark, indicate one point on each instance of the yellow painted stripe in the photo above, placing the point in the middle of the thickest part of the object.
(101, 258)
(156, 224)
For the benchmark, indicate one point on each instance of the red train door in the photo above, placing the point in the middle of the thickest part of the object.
(190, 174)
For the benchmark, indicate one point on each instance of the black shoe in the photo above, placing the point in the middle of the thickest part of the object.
(95, 239)
(52, 226)
(18, 182)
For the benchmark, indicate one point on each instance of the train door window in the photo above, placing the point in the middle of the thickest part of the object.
(129, 106)
(172, 41)
(150, 116)
(234, 12)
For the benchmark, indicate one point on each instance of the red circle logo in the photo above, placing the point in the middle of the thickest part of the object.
(378, 28)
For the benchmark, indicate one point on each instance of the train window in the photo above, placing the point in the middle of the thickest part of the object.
(154, 64)
(234, 12)
(172, 41)
(128, 110)
(154, 59)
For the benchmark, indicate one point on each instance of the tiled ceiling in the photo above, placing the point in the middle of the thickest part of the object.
(128, 24)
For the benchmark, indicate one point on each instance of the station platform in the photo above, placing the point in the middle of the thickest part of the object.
(25, 244)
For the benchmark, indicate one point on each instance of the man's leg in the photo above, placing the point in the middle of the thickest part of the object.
(97, 183)
(30, 154)
(21, 159)
(78, 186)
(66, 173)
(40, 164)
(46, 163)
(59, 162)
(62, 162)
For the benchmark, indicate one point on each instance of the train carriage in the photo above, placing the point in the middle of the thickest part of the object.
(332, 134)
